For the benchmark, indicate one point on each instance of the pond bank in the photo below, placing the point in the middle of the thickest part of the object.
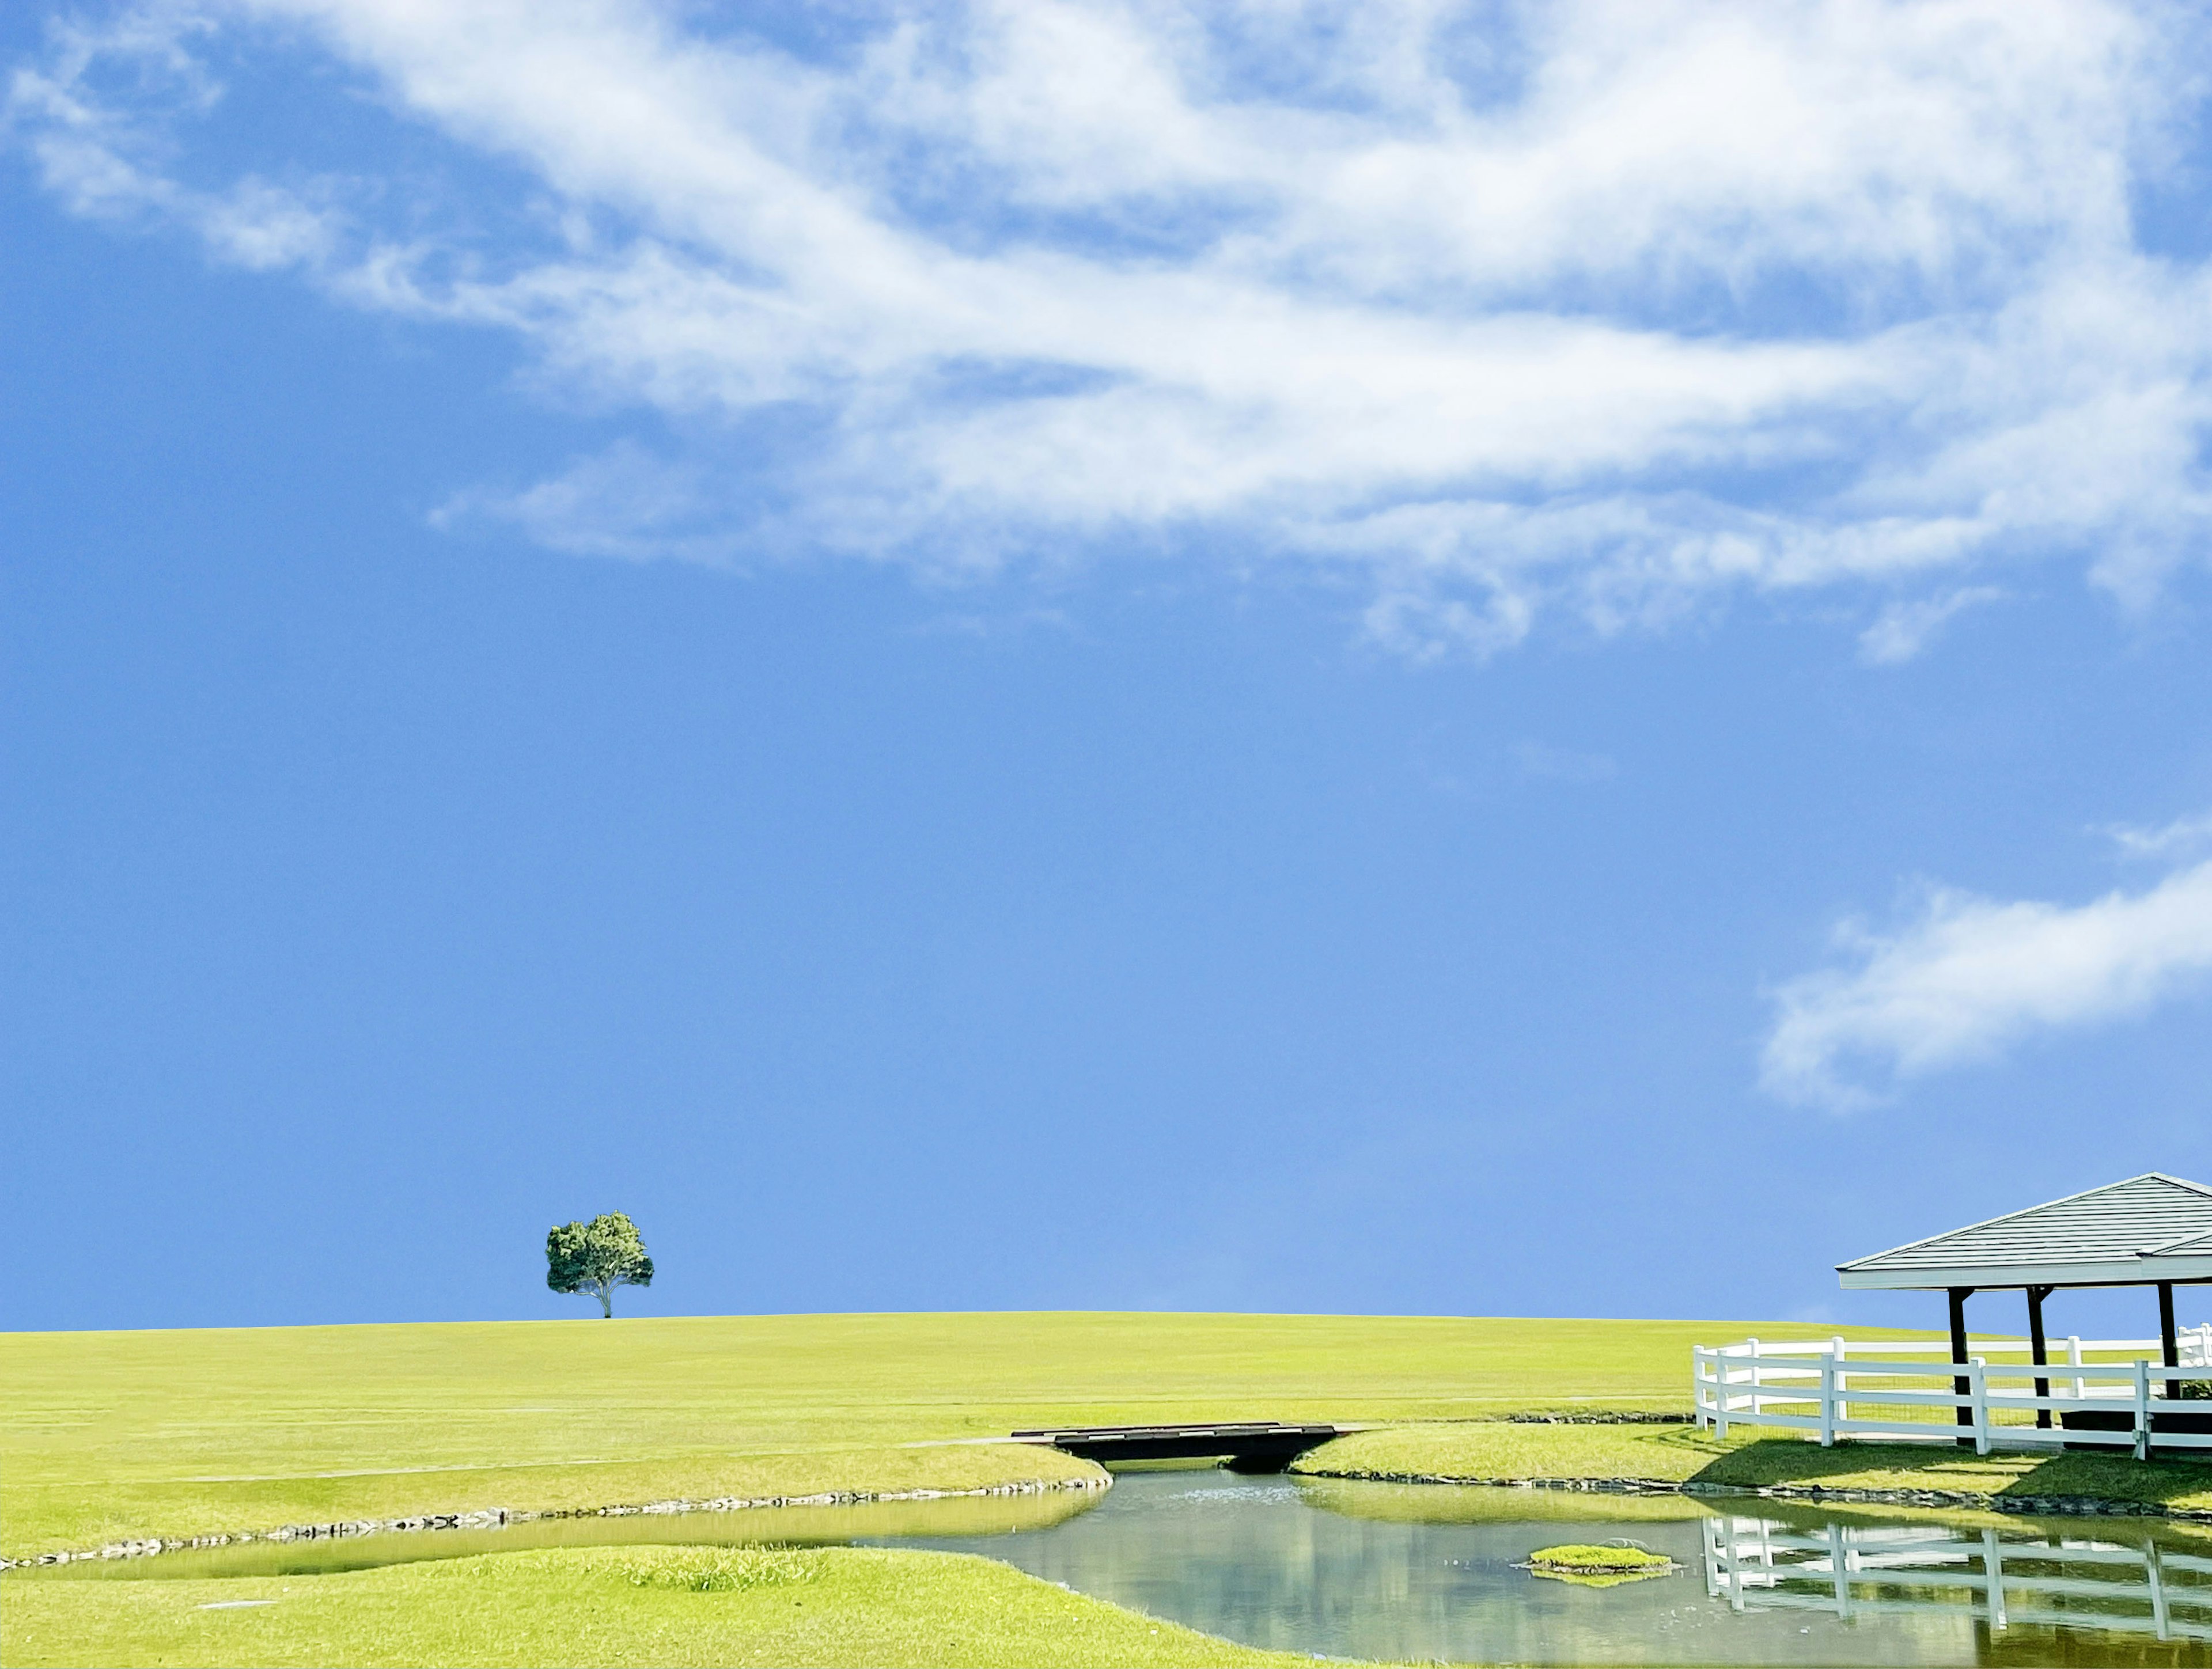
(1377, 1572)
(1061, 1472)
(1642, 1457)
(1651, 1461)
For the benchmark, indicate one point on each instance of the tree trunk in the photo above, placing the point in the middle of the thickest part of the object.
(607, 1302)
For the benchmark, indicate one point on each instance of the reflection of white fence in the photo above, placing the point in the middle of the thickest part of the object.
(1834, 1388)
(1757, 1564)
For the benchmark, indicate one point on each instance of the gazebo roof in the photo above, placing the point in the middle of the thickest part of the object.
(2149, 1228)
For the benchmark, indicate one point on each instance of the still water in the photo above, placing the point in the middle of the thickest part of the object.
(1428, 1573)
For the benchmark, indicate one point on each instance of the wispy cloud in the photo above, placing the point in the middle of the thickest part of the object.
(1903, 629)
(2182, 837)
(1969, 977)
(1602, 307)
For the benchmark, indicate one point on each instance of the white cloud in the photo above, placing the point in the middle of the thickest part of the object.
(2177, 839)
(1605, 305)
(1971, 976)
(96, 160)
(623, 503)
(1903, 629)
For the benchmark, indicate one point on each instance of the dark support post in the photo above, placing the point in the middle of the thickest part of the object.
(1962, 1385)
(2036, 1295)
(2166, 1339)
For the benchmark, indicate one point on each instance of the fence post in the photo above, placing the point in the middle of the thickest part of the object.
(1842, 1378)
(1720, 1393)
(1753, 1344)
(2074, 1360)
(1977, 1382)
(2143, 1408)
(1827, 1402)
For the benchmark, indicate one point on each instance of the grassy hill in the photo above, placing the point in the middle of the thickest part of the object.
(108, 1435)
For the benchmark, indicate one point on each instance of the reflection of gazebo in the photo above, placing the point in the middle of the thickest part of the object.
(2151, 1230)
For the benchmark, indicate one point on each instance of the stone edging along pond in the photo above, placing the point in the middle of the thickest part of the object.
(2033, 1506)
(2049, 1506)
(491, 1517)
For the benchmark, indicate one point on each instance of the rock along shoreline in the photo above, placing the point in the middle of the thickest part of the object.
(491, 1518)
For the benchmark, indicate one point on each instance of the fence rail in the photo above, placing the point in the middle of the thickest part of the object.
(2123, 1396)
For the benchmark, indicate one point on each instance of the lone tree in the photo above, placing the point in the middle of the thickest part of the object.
(596, 1257)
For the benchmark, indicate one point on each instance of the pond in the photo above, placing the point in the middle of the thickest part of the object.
(1428, 1572)
(1431, 1572)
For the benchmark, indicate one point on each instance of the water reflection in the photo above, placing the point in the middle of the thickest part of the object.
(1426, 1573)
(2007, 1578)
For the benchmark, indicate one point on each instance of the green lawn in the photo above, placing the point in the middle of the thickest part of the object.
(1473, 1452)
(1495, 1451)
(671, 1606)
(105, 1436)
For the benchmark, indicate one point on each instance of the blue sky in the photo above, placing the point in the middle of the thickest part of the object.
(1539, 660)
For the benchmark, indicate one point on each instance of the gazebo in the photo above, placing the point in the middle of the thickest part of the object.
(2150, 1231)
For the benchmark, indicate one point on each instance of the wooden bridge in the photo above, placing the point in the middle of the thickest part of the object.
(1249, 1446)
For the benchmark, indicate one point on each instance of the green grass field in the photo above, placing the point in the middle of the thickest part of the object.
(653, 1606)
(109, 1435)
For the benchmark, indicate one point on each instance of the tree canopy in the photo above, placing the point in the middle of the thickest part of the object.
(596, 1257)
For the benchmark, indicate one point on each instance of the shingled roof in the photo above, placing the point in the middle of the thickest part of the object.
(2149, 1228)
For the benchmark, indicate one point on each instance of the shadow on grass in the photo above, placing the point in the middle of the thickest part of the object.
(1787, 1460)
(2118, 1477)
(1780, 1461)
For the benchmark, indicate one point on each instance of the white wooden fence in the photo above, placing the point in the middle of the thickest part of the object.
(1851, 1570)
(1837, 1389)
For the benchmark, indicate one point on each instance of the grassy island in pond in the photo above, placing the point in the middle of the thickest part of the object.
(1583, 1559)
(1586, 1566)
